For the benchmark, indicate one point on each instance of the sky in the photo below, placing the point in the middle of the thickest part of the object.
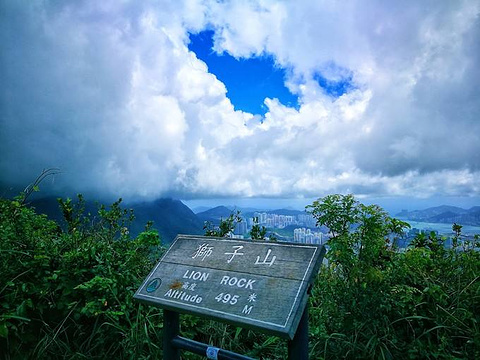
(243, 101)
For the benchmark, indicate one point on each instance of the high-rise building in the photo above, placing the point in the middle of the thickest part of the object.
(307, 236)
(241, 228)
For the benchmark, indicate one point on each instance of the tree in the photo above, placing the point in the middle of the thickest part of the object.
(371, 301)
(359, 231)
(225, 228)
(397, 228)
(258, 232)
(337, 212)
(457, 229)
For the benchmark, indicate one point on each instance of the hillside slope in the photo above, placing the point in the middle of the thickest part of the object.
(170, 216)
(215, 214)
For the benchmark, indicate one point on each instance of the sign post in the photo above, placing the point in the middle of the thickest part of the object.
(257, 285)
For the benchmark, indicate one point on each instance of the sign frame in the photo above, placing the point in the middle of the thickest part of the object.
(302, 279)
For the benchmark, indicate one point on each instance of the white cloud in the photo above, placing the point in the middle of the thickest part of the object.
(110, 93)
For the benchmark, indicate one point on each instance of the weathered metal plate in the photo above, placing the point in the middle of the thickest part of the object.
(259, 285)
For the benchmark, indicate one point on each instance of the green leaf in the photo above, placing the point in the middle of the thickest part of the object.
(3, 329)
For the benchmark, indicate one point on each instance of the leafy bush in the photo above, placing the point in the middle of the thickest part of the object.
(225, 228)
(70, 293)
(372, 301)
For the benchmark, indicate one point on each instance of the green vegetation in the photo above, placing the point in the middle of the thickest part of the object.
(69, 294)
(258, 232)
(66, 290)
(372, 301)
(225, 227)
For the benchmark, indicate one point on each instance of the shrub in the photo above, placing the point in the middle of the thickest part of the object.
(70, 293)
(372, 301)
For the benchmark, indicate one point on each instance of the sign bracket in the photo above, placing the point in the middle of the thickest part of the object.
(173, 342)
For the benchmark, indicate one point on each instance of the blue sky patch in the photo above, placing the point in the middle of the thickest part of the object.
(335, 88)
(248, 81)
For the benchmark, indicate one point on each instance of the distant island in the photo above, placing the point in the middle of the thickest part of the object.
(443, 215)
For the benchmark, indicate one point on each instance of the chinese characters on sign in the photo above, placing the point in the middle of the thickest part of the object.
(235, 253)
(264, 262)
(202, 252)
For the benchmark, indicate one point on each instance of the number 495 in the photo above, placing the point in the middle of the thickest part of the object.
(227, 298)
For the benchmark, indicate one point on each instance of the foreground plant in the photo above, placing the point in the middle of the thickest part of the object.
(69, 293)
(372, 301)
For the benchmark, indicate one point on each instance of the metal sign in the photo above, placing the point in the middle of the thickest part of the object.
(259, 285)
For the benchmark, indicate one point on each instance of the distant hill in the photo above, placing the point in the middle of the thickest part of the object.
(431, 212)
(50, 207)
(289, 212)
(248, 210)
(444, 214)
(170, 217)
(215, 214)
(200, 209)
